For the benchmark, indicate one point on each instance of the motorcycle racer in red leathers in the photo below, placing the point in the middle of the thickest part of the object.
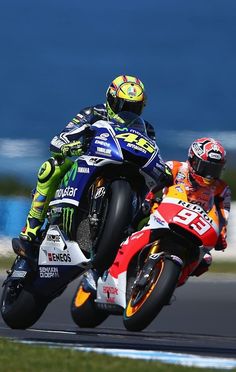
(201, 175)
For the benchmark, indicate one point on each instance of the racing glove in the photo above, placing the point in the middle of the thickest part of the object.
(150, 203)
(147, 204)
(72, 149)
(221, 242)
(150, 196)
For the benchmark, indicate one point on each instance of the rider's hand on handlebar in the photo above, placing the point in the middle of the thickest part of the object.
(146, 207)
(72, 149)
(150, 203)
(150, 196)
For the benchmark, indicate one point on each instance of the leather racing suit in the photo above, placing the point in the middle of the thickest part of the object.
(53, 170)
(218, 193)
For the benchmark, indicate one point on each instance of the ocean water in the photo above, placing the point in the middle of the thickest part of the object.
(60, 56)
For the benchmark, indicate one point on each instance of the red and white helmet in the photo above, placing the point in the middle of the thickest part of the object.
(206, 158)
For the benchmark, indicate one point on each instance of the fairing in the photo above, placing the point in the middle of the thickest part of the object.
(111, 145)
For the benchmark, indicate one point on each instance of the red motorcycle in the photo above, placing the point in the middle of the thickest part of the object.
(150, 264)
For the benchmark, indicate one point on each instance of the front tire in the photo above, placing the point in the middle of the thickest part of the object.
(83, 309)
(146, 303)
(20, 308)
(118, 216)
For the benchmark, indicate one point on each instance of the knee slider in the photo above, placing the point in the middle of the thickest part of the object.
(46, 170)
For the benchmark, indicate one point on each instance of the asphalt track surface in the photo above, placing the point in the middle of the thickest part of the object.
(200, 321)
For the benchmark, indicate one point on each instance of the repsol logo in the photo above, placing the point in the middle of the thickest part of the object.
(68, 191)
(110, 290)
(196, 208)
(61, 257)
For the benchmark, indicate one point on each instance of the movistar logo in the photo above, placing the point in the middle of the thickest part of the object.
(71, 174)
(121, 129)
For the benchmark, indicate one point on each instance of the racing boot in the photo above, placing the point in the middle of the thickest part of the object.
(34, 222)
(195, 269)
(49, 176)
(24, 246)
(89, 281)
(203, 266)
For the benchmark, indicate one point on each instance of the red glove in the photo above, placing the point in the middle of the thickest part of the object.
(221, 242)
(150, 203)
(150, 196)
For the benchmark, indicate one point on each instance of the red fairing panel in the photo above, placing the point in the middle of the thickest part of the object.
(199, 224)
(127, 250)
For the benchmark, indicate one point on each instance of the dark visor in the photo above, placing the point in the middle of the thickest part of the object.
(119, 104)
(135, 107)
(206, 169)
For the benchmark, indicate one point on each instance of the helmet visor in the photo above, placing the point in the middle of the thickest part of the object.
(205, 168)
(118, 105)
(135, 107)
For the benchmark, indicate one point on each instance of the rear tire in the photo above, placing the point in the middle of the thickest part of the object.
(20, 308)
(144, 305)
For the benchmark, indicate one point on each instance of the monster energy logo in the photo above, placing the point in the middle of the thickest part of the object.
(67, 219)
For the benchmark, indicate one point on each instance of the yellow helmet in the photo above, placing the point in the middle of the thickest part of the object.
(125, 93)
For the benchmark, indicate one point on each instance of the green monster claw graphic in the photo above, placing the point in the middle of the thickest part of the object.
(67, 216)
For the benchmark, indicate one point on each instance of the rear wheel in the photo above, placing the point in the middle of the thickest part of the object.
(146, 301)
(20, 308)
(83, 309)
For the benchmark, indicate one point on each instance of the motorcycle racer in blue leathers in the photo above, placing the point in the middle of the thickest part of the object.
(125, 93)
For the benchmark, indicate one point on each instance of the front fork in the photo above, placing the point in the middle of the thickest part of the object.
(145, 272)
(154, 248)
(97, 193)
(153, 257)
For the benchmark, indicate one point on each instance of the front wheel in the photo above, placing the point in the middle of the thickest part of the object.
(83, 309)
(118, 210)
(20, 308)
(146, 301)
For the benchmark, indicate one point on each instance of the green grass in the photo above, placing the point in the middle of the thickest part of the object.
(11, 185)
(22, 358)
(229, 176)
(223, 267)
(6, 262)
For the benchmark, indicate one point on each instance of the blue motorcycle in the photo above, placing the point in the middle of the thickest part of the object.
(88, 218)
